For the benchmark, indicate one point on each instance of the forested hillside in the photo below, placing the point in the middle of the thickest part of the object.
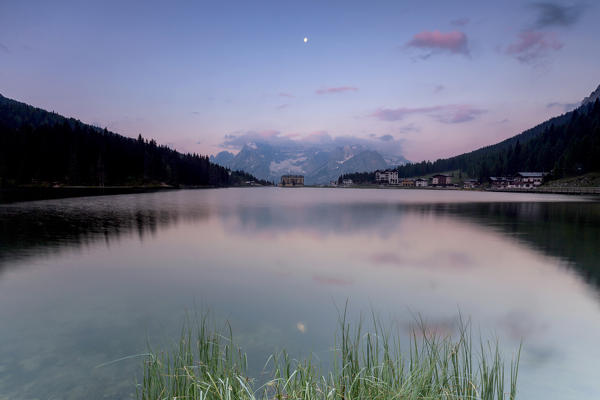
(565, 146)
(40, 147)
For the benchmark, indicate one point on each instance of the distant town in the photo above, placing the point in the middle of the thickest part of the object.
(390, 178)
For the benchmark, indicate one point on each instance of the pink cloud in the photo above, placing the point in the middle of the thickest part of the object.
(284, 94)
(282, 106)
(396, 114)
(339, 89)
(448, 114)
(455, 42)
(533, 45)
(459, 113)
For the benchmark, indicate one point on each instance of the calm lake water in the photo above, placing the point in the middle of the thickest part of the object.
(86, 281)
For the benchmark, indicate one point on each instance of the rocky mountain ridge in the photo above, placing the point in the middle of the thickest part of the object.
(318, 165)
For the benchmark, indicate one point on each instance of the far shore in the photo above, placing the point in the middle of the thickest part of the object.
(581, 190)
(32, 193)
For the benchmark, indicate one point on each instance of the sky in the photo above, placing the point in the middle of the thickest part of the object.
(429, 79)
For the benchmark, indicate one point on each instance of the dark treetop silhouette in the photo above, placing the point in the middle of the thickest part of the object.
(41, 147)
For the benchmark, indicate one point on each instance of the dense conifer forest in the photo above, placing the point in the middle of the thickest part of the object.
(564, 146)
(41, 147)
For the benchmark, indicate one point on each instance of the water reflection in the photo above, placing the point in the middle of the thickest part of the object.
(568, 230)
(35, 229)
(91, 278)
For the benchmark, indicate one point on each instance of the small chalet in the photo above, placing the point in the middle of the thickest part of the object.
(387, 177)
(441, 180)
(470, 183)
(421, 182)
(347, 182)
(502, 182)
(529, 180)
(406, 182)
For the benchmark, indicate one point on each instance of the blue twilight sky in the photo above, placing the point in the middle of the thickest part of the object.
(431, 78)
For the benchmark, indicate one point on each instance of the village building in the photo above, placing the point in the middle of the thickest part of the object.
(347, 182)
(406, 182)
(441, 180)
(421, 182)
(470, 183)
(529, 180)
(292, 180)
(389, 177)
(502, 182)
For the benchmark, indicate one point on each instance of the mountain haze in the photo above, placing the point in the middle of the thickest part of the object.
(319, 164)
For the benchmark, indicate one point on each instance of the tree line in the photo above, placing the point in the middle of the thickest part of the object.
(41, 147)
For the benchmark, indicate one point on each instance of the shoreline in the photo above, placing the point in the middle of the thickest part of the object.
(544, 189)
(33, 193)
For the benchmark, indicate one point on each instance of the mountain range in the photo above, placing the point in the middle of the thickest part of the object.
(319, 163)
(538, 148)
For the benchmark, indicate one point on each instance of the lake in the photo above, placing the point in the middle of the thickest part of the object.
(88, 281)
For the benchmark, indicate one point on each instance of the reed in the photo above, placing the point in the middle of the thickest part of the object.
(207, 365)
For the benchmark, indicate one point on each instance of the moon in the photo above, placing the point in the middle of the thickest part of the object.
(305, 39)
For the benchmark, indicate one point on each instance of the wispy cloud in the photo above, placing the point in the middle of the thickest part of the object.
(457, 114)
(284, 94)
(410, 128)
(566, 107)
(454, 42)
(338, 89)
(383, 138)
(4, 48)
(396, 114)
(385, 144)
(439, 88)
(551, 14)
(448, 114)
(460, 21)
(532, 46)
(282, 106)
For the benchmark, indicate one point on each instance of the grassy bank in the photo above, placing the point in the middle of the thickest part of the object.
(366, 365)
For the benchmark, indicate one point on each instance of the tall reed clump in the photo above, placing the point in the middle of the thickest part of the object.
(366, 365)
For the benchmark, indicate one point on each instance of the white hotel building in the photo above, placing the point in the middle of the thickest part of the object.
(389, 176)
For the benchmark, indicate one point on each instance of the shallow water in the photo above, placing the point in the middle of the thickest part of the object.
(87, 281)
